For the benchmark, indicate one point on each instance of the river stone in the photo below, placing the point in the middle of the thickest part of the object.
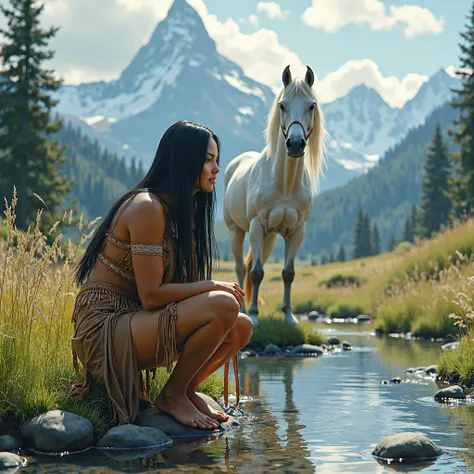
(8, 460)
(168, 425)
(8, 443)
(411, 370)
(432, 369)
(363, 318)
(408, 446)
(307, 349)
(272, 349)
(333, 341)
(314, 315)
(346, 346)
(58, 431)
(134, 437)
(450, 346)
(455, 391)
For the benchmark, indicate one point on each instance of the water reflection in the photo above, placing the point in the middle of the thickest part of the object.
(321, 415)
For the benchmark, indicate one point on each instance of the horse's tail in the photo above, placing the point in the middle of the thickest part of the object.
(248, 287)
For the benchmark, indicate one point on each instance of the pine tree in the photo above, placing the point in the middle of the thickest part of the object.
(375, 240)
(366, 236)
(357, 246)
(392, 242)
(341, 255)
(324, 259)
(462, 183)
(435, 202)
(30, 159)
(408, 230)
(331, 258)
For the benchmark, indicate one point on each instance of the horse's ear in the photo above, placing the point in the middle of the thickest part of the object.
(286, 76)
(309, 77)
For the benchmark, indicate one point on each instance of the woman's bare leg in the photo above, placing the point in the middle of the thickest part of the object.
(237, 338)
(202, 324)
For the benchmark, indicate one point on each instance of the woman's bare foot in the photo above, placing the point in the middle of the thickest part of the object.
(180, 408)
(203, 407)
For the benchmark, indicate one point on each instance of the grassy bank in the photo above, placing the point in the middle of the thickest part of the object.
(403, 290)
(36, 301)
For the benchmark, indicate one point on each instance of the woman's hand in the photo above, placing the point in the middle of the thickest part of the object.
(231, 288)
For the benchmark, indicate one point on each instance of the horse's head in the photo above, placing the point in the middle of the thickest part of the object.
(297, 112)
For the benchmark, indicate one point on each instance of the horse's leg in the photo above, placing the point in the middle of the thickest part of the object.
(292, 244)
(236, 239)
(256, 234)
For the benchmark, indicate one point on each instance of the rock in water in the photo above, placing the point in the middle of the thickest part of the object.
(168, 425)
(8, 443)
(307, 349)
(9, 460)
(431, 370)
(134, 437)
(333, 341)
(407, 446)
(272, 349)
(455, 391)
(58, 431)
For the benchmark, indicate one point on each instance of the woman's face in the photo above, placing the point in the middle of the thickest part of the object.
(210, 168)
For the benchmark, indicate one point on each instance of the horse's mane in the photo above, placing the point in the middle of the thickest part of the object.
(315, 154)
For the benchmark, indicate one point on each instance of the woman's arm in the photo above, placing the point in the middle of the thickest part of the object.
(145, 219)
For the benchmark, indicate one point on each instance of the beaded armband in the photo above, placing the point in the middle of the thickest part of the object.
(147, 249)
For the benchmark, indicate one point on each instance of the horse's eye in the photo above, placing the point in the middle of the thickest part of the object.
(311, 107)
(281, 106)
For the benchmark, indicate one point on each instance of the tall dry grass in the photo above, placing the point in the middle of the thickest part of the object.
(37, 294)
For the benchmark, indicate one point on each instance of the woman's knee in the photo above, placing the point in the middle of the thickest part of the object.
(225, 308)
(243, 329)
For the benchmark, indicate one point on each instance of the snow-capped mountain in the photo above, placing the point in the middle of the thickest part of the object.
(363, 119)
(179, 74)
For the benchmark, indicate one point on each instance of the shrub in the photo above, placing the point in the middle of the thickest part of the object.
(342, 279)
(274, 330)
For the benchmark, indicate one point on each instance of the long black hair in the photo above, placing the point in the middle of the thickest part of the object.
(178, 163)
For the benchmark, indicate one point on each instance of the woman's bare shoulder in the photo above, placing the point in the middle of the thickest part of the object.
(145, 210)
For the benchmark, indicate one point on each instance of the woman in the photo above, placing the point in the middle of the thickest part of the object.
(147, 298)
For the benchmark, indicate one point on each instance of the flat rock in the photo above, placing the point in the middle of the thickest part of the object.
(432, 369)
(314, 315)
(454, 391)
(272, 349)
(307, 349)
(154, 418)
(408, 446)
(8, 443)
(363, 318)
(8, 460)
(333, 341)
(134, 437)
(346, 346)
(58, 431)
(450, 346)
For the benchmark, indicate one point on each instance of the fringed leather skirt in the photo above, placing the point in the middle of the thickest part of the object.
(102, 341)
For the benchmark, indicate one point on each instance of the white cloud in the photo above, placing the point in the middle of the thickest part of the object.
(365, 71)
(87, 48)
(252, 20)
(332, 15)
(273, 10)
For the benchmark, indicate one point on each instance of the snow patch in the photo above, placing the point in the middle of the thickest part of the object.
(241, 86)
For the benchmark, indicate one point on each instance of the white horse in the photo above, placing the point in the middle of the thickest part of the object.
(271, 192)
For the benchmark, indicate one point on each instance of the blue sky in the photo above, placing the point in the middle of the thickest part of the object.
(390, 45)
(391, 50)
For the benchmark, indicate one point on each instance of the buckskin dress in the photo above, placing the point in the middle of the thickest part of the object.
(102, 338)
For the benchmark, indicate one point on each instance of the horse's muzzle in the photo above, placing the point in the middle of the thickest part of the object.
(296, 147)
